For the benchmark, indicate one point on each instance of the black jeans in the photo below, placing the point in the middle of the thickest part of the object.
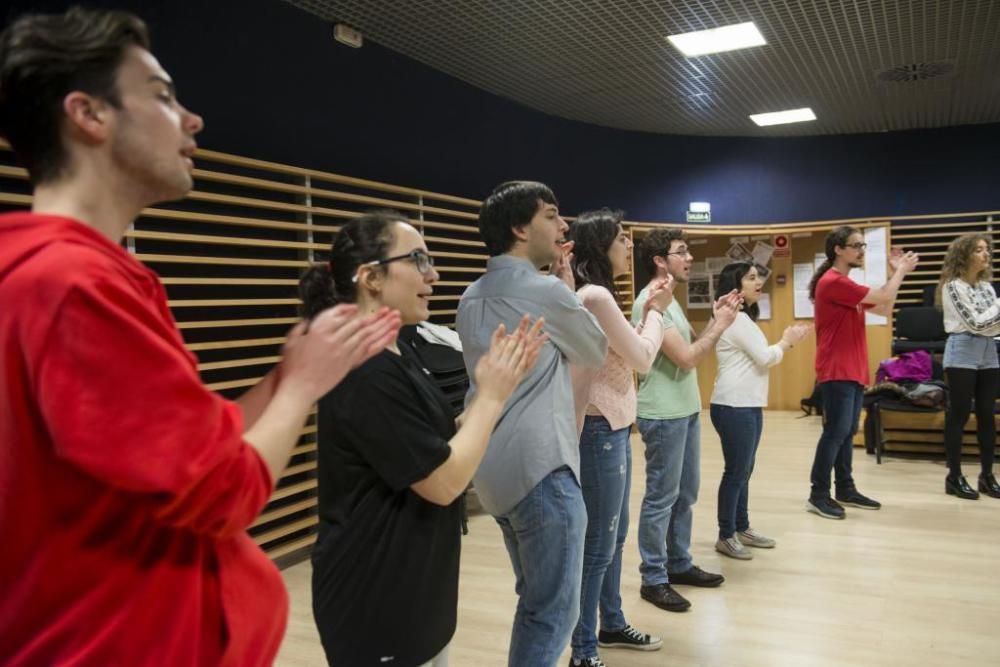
(841, 411)
(963, 385)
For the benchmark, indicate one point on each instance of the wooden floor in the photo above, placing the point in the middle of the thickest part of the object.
(917, 583)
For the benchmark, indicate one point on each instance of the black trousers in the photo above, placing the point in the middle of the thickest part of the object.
(966, 384)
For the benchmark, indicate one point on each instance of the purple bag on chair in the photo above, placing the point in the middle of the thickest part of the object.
(909, 366)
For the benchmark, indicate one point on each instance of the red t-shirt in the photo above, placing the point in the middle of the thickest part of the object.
(841, 346)
(125, 486)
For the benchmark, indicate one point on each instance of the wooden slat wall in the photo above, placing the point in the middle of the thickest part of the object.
(231, 252)
(230, 255)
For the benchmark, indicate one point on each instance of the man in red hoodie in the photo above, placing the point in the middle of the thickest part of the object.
(126, 487)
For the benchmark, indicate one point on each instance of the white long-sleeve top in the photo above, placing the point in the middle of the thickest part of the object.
(970, 308)
(745, 360)
(610, 390)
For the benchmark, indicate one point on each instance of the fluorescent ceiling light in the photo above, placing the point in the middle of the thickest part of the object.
(717, 40)
(782, 117)
(700, 207)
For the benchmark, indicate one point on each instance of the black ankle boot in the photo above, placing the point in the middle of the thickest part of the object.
(988, 485)
(957, 486)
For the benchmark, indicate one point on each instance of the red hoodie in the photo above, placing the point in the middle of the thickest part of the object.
(125, 486)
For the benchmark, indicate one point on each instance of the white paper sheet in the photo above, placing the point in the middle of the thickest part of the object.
(876, 258)
(801, 275)
(764, 303)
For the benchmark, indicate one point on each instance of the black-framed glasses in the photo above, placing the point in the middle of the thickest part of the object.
(857, 246)
(683, 252)
(420, 259)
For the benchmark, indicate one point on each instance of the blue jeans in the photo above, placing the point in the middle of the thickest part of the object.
(673, 462)
(841, 410)
(544, 538)
(739, 430)
(605, 474)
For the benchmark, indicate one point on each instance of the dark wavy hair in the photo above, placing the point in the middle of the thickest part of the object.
(956, 261)
(731, 278)
(837, 238)
(361, 240)
(657, 244)
(593, 233)
(511, 204)
(43, 58)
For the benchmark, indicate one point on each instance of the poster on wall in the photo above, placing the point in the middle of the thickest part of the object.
(700, 290)
(739, 253)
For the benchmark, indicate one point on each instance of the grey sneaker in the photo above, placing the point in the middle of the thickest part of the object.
(733, 548)
(752, 538)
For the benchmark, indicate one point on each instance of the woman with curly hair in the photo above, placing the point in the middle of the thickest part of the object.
(972, 319)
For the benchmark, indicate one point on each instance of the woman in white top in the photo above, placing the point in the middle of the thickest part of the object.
(738, 400)
(972, 319)
(606, 404)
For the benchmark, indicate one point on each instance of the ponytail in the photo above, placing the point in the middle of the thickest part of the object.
(361, 240)
(837, 238)
(316, 290)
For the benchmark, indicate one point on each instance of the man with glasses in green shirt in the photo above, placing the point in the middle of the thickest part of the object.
(668, 418)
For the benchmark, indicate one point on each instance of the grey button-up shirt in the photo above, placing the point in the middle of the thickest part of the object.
(536, 433)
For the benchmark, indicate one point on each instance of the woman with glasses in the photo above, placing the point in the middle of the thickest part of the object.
(606, 406)
(737, 406)
(972, 319)
(391, 463)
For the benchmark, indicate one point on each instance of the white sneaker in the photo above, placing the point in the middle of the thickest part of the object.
(733, 548)
(752, 538)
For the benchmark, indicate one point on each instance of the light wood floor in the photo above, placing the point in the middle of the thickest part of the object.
(913, 584)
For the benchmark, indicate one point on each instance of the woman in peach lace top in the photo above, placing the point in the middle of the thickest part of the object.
(606, 405)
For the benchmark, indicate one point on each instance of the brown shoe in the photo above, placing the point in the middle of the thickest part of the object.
(664, 597)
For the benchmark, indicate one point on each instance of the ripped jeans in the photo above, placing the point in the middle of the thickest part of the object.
(605, 475)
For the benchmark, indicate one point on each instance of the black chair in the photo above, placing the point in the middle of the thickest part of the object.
(919, 328)
(875, 406)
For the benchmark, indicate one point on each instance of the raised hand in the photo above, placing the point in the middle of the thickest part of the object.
(726, 307)
(509, 358)
(562, 268)
(661, 293)
(795, 333)
(319, 354)
(904, 262)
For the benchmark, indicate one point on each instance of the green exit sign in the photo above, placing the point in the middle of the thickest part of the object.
(699, 216)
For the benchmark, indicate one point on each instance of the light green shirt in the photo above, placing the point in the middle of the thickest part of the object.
(666, 391)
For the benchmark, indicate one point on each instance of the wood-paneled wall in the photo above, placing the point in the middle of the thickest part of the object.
(230, 255)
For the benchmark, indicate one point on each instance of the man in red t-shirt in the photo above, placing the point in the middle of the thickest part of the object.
(126, 486)
(842, 362)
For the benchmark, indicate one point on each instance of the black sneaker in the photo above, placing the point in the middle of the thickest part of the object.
(586, 662)
(825, 507)
(628, 637)
(664, 597)
(697, 577)
(855, 499)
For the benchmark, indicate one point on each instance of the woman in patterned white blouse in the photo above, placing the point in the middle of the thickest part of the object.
(972, 319)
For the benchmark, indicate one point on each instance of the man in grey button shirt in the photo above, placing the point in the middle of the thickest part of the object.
(528, 479)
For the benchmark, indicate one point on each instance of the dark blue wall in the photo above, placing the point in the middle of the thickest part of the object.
(273, 84)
